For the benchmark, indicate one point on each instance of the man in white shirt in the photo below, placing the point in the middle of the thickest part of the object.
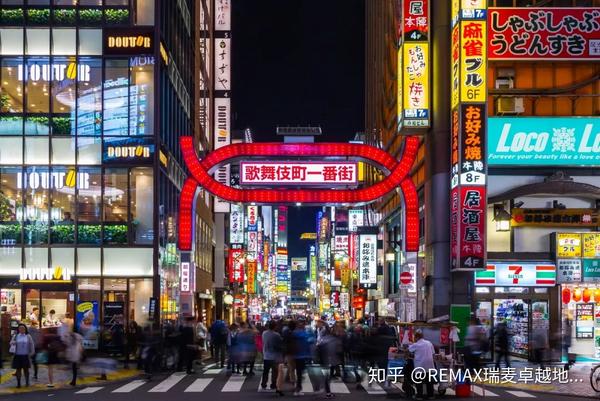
(423, 351)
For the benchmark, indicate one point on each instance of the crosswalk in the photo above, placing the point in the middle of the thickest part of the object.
(214, 380)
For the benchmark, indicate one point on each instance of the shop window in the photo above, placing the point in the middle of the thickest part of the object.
(115, 206)
(37, 74)
(62, 213)
(11, 95)
(10, 299)
(128, 261)
(142, 205)
(116, 98)
(36, 181)
(89, 97)
(63, 150)
(88, 262)
(64, 72)
(10, 261)
(11, 201)
(144, 12)
(90, 42)
(140, 292)
(11, 41)
(59, 302)
(11, 150)
(64, 41)
(141, 99)
(89, 206)
(89, 151)
(37, 42)
(36, 150)
(32, 303)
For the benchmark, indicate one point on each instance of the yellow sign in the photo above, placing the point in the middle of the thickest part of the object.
(251, 277)
(400, 108)
(471, 4)
(45, 275)
(568, 245)
(163, 159)
(473, 64)
(130, 42)
(128, 151)
(415, 80)
(312, 236)
(84, 307)
(455, 57)
(591, 245)
(163, 54)
(455, 10)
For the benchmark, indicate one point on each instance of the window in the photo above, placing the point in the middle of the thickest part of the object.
(11, 206)
(36, 181)
(62, 213)
(142, 205)
(141, 100)
(65, 70)
(116, 94)
(11, 41)
(38, 42)
(11, 150)
(88, 262)
(63, 151)
(89, 151)
(63, 257)
(89, 206)
(36, 258)
(140, 291)
(37, 75)
(90, 42)
(36, 150)
(64, 41)
(11, 95)
(89, 97)
(10, 261)
(144, 12)
(128, 261)
(115, 206)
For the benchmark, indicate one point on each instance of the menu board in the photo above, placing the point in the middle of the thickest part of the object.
(584, 319)
(568, 245)
(591, 245)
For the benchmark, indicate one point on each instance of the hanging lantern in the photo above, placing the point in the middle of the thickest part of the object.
(587, 295)
(597, 295)
(566, 295)
(577, 294)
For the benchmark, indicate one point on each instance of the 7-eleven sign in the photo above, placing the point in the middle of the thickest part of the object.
(530, 274)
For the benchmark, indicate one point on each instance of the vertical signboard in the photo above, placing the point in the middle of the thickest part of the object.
(367, 244)
(236, 266)
(222, 137)
(282, 231)
(252, 218)
(468, 163)
(222, 15)
(251, 270)
(222, 64)
(416, 80)
(355, 219)
(236, 224)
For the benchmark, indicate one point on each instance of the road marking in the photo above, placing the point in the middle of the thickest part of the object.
(450, 391)
(483, 392)
(89, 390)
(307, 386)
(129, 387)
(213, 371)
(168, 383)
(198, 386)
(234, 384)
(373, 388)
(338, 387)
(521, 394)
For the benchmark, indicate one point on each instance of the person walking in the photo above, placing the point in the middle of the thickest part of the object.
(302, 352)
(23, 348)
(186, 346)
(329, 350)
(219, 335)
(501, 336)
(52, 345)
(288, 348)
(201, 332)
(74, 353)
(272, 354)
(423, 351)
(36, 335)
(246, 343)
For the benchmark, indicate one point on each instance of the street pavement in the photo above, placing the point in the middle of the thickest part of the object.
(211, 381)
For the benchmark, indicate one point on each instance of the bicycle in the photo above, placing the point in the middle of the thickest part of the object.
(595, 378)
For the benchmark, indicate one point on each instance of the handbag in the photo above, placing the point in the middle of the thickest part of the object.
(41, 358)
(13, 345)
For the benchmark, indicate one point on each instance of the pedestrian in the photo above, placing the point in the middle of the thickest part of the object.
(219, 337)
(356, 346)
(423, 351)
(501, 336)
(539, 345)
(328, 352)
(474, 341)
(52, 345)
(133, 336)
(201, 333)
(36, 335)
(23, 348)
(288, 347)
(186, 346)
(149, 350)
(246, 347)
(74, 353)
(302, 352)
(233, 357)
(272, 356)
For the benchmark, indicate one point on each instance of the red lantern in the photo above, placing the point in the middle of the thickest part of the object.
(587, 295)
(566, 295)
(577, 295)
(597, 295)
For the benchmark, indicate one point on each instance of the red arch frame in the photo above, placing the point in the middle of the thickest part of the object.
(398, 172)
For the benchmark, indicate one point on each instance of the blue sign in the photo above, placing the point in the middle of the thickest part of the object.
(543, 141)
(87, 323)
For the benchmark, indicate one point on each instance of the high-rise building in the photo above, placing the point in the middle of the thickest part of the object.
(94, 97)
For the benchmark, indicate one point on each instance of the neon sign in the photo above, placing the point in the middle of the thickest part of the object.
(303, 173)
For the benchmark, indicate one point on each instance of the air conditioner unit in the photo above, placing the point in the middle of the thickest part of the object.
(510, 105)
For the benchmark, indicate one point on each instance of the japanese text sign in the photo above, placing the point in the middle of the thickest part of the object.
(251, 277)
(252, 218)
(517, 275)
(568, 245)
(222, 15)
(472, 145)
(416, 84)
(473, 65)
(355, 219)
(185, 277)
(544, 33)
(298, 173)
(236, 266)
(223, 64)
(236, 224)
(341, 243)
(467, 223)
(591, 245)
(415, 20)
(568, 270)
(456, 75)
(367, 245)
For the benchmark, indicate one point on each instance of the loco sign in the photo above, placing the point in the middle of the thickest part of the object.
(201, 175)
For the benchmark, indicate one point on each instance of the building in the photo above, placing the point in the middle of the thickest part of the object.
(95, 95)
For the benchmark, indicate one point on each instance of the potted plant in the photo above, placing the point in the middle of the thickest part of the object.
(116, 16)
(12, 16)
(65, 16)
(90, 16)
(37, 125)
(61, 126)
(36, 233)
(38, 16)
(115, 234)
(62, 234)
(88, 234)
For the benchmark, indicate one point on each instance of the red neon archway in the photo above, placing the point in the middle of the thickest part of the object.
(398, 171)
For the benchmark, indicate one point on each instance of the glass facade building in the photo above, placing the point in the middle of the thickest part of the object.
(93, 97)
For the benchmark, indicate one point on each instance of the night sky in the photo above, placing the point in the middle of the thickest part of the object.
(298, 62)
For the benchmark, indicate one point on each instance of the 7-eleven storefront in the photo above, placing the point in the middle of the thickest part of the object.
(525, 296)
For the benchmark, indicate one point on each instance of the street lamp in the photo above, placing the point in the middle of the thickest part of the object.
(502, 218)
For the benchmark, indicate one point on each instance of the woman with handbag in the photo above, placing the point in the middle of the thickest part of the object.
(23, 348)
(74, 353)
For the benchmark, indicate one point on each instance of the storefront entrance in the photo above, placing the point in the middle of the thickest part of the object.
(59, 300)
